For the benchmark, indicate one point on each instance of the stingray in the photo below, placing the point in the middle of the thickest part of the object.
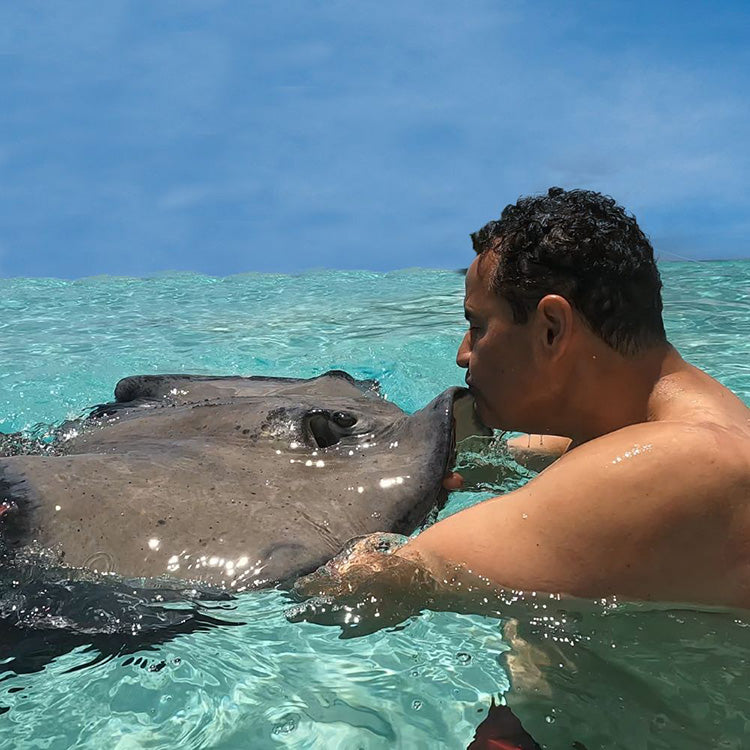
(235, 482)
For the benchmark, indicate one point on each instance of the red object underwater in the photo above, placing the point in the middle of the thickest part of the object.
(501, 730)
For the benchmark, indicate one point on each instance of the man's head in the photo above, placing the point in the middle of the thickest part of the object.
(553, 271)
(583, 246)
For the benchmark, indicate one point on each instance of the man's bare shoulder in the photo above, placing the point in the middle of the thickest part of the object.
(688, 445)
(647, 511)
(696, 426)
(693, 396)
(672, 463)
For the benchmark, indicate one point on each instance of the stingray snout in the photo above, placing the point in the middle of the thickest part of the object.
(453, 409)
(446, 420)
(428, 437)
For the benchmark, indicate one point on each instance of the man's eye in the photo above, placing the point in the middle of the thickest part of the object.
(475, 332)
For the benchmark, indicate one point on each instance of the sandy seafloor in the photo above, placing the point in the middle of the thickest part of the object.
(616, 675)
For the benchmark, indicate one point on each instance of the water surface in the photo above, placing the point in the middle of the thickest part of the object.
(615, 674)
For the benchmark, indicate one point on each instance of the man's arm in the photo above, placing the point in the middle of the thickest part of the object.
(537, 452)
(640, 512)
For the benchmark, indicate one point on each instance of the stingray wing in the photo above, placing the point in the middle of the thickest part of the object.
(192, 509)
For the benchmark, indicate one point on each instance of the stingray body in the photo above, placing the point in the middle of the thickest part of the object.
(237, 482)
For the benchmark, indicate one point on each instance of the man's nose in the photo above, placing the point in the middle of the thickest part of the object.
(462, 356)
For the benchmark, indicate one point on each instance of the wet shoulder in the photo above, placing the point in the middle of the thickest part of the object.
(715, 424)
(677, 456)
(692, 396)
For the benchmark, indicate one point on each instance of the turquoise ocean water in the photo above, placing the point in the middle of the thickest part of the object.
(614, 674)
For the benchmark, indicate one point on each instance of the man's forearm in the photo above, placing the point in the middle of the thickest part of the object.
(537, 452)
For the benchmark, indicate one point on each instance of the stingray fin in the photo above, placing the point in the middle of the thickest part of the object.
(182, 389)
(365, 385)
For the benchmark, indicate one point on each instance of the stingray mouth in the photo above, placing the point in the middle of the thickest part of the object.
(324, 429)
(457, 405)
(450, 460)
(452, 450)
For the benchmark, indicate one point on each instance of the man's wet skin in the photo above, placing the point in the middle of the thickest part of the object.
(649, 495)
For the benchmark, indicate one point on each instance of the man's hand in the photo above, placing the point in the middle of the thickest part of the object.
(364, 588)
(453, 482)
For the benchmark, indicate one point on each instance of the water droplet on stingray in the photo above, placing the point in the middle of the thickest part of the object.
(101, 562)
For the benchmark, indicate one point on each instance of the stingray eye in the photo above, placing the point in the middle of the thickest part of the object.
(344, 419)
(319, 428)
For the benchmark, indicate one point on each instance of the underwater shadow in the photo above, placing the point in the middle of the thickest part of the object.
(47, 611)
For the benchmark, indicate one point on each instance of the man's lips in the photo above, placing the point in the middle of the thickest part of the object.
(475, 394)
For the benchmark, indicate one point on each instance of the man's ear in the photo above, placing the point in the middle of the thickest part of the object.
(554, 319)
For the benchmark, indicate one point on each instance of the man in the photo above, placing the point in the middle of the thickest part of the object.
(647, 494)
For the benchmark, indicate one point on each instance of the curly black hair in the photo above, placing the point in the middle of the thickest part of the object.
(583, 246)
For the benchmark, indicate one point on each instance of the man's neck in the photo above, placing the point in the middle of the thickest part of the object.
(611, 391)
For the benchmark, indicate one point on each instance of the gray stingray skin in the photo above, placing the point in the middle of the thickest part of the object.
(223, 480)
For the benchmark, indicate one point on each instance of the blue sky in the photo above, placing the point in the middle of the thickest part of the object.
(282, 135)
